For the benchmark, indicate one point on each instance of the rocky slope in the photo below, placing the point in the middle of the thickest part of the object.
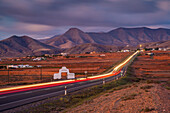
(23, 46)
(77, 41)
(117, 37)
(161, 44)
(89, 47)
(69, 39)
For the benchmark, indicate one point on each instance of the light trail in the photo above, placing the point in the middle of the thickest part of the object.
(115, 71)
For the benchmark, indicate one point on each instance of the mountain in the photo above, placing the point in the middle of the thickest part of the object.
(77, 41)
(118, 37)
(16, 46)
(89, 47)
(69, 39)
(161, 44)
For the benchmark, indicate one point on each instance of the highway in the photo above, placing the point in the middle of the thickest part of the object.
(17, 96)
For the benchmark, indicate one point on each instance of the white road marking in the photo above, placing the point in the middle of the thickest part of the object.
(3, 97)
(29, 92)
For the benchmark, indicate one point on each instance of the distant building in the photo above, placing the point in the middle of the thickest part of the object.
(46, 55)
(12, 66)
(38, 59)
(125, 50)
(19, 66)
(38, 66)
(93, 52)
(165, 49)
(149, 54)
(64, 54)
(102, 55)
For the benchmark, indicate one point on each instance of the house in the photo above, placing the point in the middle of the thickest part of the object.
(38, 59)
(19, 66)
(149, 54)
(102, 55)
(12, 66)
(64, 54)
(126, 50)
(93, 52)
(38, 66)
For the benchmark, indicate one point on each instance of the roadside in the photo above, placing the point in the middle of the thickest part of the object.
(136, 98)
(129, 94)
(63, 102)
(151, 94)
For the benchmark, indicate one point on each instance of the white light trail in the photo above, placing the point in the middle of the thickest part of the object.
(65, 81)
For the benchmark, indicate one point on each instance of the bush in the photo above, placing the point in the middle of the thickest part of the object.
(146, 87)
(129, 97)
(147, 109)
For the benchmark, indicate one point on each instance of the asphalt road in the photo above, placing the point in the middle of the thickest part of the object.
(11, 100)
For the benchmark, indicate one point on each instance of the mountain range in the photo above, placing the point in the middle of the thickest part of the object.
(77, 41)
(117, 37)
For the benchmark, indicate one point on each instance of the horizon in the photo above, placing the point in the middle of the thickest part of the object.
(81, 30)
(43, 19)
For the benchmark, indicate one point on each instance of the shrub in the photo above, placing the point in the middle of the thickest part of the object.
(147, 109)
(129, 97)
(146, 87)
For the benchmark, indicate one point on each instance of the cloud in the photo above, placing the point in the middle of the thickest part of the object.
(164, 5)
(54, 16)
(133, 6)
(33, 27)
(73, 12)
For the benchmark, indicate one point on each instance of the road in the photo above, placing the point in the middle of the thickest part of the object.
(17, 96)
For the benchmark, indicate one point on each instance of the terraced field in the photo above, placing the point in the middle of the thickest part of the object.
(77, 63)
(156, 67)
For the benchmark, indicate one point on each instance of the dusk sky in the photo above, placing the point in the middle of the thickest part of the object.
(46, 18)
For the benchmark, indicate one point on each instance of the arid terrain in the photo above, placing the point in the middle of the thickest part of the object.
(78, 63)
(140, 91)
(151, 94)
(137, 98)
(156, 67)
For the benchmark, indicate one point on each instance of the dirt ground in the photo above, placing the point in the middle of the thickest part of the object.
(156, 67)
(77, 63)
(133, 99)
(140, 97)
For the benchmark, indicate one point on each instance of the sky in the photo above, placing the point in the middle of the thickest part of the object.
(46, 18)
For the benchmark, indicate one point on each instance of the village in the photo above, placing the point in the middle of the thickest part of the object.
(44, 68)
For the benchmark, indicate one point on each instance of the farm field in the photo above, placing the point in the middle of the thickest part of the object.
(150, 94)
(77, 63)
(156, 67)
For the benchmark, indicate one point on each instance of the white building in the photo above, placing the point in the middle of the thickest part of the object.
(64, 54)
(19, 66)
(38, 59)
(125, 50)
(12, 66)
(64, 70)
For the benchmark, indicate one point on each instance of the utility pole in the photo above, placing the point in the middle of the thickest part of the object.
(85, 72)
(41, 73)
(8, 74)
